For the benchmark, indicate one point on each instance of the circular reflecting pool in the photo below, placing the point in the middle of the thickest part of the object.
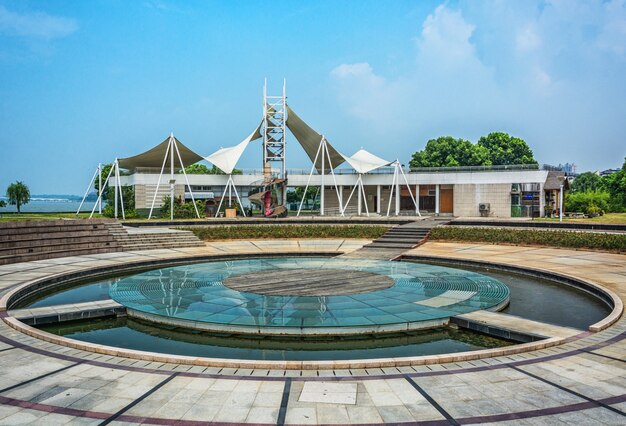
(307, 295)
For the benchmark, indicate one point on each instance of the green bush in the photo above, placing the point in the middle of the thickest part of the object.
(591, 203)
(183, 210)
(565, 239)
(244, 232)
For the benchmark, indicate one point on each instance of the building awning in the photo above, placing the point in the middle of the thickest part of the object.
(554, 180)
(310, 141)
(363, 161)
(226, 159)
(154, 157)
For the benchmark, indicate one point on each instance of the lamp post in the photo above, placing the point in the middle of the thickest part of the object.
(561, 185)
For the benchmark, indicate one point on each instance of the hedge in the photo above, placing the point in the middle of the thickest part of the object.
(566, 239)
(250, 232)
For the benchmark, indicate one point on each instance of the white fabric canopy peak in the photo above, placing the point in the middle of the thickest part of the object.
(310, 141)
(363, 161)
(226, 158)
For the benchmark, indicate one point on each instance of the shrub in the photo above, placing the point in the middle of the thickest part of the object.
(237, 232)
(591, 203)
(566, 239)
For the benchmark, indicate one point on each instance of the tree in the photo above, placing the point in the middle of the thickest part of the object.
(506, 150)
(615, 185)
(586, 182)
(18, 194)
(3, 203)
(201, 169)
(447, 151)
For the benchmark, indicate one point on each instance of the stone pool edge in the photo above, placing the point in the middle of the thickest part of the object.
(6, 300)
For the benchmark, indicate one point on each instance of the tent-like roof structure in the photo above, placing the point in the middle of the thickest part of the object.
(226, 158)
(363, 161)
(310, 141)
(154, 157)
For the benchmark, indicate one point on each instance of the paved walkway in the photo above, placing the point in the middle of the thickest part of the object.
(582, 381)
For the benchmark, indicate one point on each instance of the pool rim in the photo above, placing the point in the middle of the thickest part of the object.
(20, 291)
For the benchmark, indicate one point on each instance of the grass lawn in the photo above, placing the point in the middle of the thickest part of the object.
(8, 217)
(613, 218)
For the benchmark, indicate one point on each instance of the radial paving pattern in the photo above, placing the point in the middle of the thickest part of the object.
(419, 295)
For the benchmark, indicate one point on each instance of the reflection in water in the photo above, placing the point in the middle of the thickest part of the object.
(135, 334)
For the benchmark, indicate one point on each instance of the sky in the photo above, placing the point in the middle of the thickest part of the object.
(83, 82)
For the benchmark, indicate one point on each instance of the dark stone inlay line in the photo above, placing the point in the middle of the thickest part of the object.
(8, 349)
(604, 356)
(138, 400)
(282, 413)
(34, 379)
(563, 388)
(432, 402)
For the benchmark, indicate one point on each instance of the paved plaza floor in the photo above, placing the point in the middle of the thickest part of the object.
(582, 381)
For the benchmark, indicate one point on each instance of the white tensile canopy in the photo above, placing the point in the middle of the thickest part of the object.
(226, 159)
(363, 161)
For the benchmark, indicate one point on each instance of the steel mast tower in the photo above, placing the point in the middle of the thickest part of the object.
(274, 130)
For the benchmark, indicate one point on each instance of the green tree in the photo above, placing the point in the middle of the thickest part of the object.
(615, 185)
(18, 194)
(3, 203)
(104, 172)
(586, 182)
(506, 150)
(201, 169)
(447, 151)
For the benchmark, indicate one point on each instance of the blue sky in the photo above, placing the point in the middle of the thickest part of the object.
(82, 82)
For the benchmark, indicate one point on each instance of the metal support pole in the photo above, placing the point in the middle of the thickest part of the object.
(171, 177)
(193, 200)
(87, 191)
(156, 191)
(359, 198)
(322, 186)
(437, 199)
(117, 167)
(393, 185)
(561, 202)
(115, 187)
(99, 186)
(101, 192)
(397, 188)
(378, 195)
(309, 179)
(406, 181)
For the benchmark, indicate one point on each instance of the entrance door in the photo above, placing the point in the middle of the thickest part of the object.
(446, 200)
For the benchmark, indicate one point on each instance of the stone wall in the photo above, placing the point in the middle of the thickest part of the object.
(467, 197)
(145, 193)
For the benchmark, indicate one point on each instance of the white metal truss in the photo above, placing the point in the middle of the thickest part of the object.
(172, 147)
(325, 155)
(230, 185)
(274, 128)
(395, 187)
(98, 174)
(360, 197)
(115, 170)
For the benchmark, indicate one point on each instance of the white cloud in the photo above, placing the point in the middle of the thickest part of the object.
(445, 36)
(36, 24)
(545, 71)
(527, 39)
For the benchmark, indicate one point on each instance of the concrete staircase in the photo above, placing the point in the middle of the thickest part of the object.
(28, 240)
(397, 240)
(130, 239)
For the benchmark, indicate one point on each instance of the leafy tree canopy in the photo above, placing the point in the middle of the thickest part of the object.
(586, 182)
(447, 151)
(201, 169)
(494, 149)
(506, 150)
(18, 194)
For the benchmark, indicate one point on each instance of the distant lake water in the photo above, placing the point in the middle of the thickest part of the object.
(51, 206)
